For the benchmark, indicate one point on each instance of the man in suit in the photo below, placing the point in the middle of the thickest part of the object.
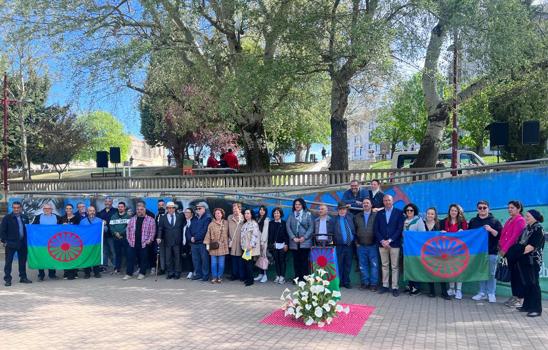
(345, 234)
(13, 235)
(368, 251)
(323, 227)
(170, 233)
(388, 233)
(376, 195)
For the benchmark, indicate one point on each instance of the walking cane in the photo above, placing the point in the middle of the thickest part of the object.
(157, 262)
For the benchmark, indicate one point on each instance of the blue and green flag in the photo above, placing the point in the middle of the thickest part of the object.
(435, 256)
(326, 258)
(64, 246)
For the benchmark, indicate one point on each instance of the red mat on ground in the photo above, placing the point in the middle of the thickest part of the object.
(344, 324)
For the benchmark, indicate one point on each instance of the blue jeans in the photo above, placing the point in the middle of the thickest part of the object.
(120, 250)
(217, 266)
(489, 286)
(200, 260)
(368, 256)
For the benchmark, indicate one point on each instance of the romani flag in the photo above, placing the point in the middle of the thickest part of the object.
(64, 246)
(326, 258)
(435, 256)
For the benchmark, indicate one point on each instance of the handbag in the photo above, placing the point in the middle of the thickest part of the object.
(262, 263)
(214, 245)
(502, 272)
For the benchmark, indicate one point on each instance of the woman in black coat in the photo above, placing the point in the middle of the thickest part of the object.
(526, 254)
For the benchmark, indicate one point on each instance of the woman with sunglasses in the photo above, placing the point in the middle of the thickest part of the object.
(493, 227)
(413, 222)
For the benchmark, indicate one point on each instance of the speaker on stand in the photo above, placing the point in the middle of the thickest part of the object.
(498, 135)
(102, 160)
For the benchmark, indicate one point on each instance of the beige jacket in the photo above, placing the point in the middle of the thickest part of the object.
(217, 232)
(234, 234)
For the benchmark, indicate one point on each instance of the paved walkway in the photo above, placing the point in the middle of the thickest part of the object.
(115, 314)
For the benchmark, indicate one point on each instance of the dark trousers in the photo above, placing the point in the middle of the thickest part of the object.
(248, 271)
(132, 254)
(300, 263)
(515, 281)
(151, 253)
(200, 260)
(532, 297)
(120, 251)
(443, 285)
(413, 284)
(71, 273)
(173, 259)
(22, 256)
(279, 260)
(42, 273)
(96, 270)
(238, 272)
(186, 264)
(344, 259)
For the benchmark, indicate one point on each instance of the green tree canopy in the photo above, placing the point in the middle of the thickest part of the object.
(104, 131)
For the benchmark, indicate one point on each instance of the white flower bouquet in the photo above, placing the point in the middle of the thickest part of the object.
(313, 302)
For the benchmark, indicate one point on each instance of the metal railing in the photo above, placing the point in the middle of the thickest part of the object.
(275, 181)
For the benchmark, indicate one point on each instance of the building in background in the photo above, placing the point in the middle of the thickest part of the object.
(146, 155)
(360, 126)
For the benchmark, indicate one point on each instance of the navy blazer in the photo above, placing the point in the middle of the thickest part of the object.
(391, 230)
(9, 231)
(349, 218)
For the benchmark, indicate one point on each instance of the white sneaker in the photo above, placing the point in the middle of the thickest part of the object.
(450, 292)
(281, 280)
(479, 296)
(141, 276)
(277, 279)
(153, 271)
(264, 278)
(260, 276)
(127, 277)
(189, 276)
(458, 294)
(492, 298)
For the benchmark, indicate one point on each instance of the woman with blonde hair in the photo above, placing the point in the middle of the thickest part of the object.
(216, 241)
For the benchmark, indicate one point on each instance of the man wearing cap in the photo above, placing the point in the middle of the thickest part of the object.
(345, 233)
(198, 230)
(170, 233)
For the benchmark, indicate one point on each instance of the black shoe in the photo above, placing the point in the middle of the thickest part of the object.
(161, 272)
(97, 275)
(415, 291)
(383, 290)
(53, 277)
(247, 284)
(40, 278)
(194, 278)
(446, 297)
(348, 286)
(25, 280)
(176, 276)
(533, 314)
(168, 277)
(7, 284)
(522, 309)
(71, 278)
(87, 276)
(396, 292)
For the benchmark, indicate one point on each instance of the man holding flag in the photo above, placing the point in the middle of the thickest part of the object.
(47, 218)
(92, 219)
(13, 235)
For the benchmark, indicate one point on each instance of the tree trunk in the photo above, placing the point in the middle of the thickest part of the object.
(307, 154)
(430, 144)
(339, 144)
(255, 146)
(299, 149)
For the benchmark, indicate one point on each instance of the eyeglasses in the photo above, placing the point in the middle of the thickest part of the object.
(410, 210)
(482, 208)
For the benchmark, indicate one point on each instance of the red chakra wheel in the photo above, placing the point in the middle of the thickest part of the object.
(445, 257)
(65, 246)
(324, 259)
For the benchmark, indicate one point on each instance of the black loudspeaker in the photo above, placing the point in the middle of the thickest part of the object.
(530, 132)
(102, 159)
(498, 134)
(115, 155)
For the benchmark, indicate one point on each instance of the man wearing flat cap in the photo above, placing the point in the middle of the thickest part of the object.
(198, 230)
(345, 237)
(170, 232)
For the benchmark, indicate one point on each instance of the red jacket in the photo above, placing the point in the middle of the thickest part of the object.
(212, 162)
(231, 160)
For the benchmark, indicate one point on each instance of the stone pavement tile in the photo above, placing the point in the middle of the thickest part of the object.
(111, 313)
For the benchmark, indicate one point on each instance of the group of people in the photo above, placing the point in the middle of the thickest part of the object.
(366, 225)
(226, 160)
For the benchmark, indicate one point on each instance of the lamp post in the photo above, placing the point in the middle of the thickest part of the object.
(454, 134)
